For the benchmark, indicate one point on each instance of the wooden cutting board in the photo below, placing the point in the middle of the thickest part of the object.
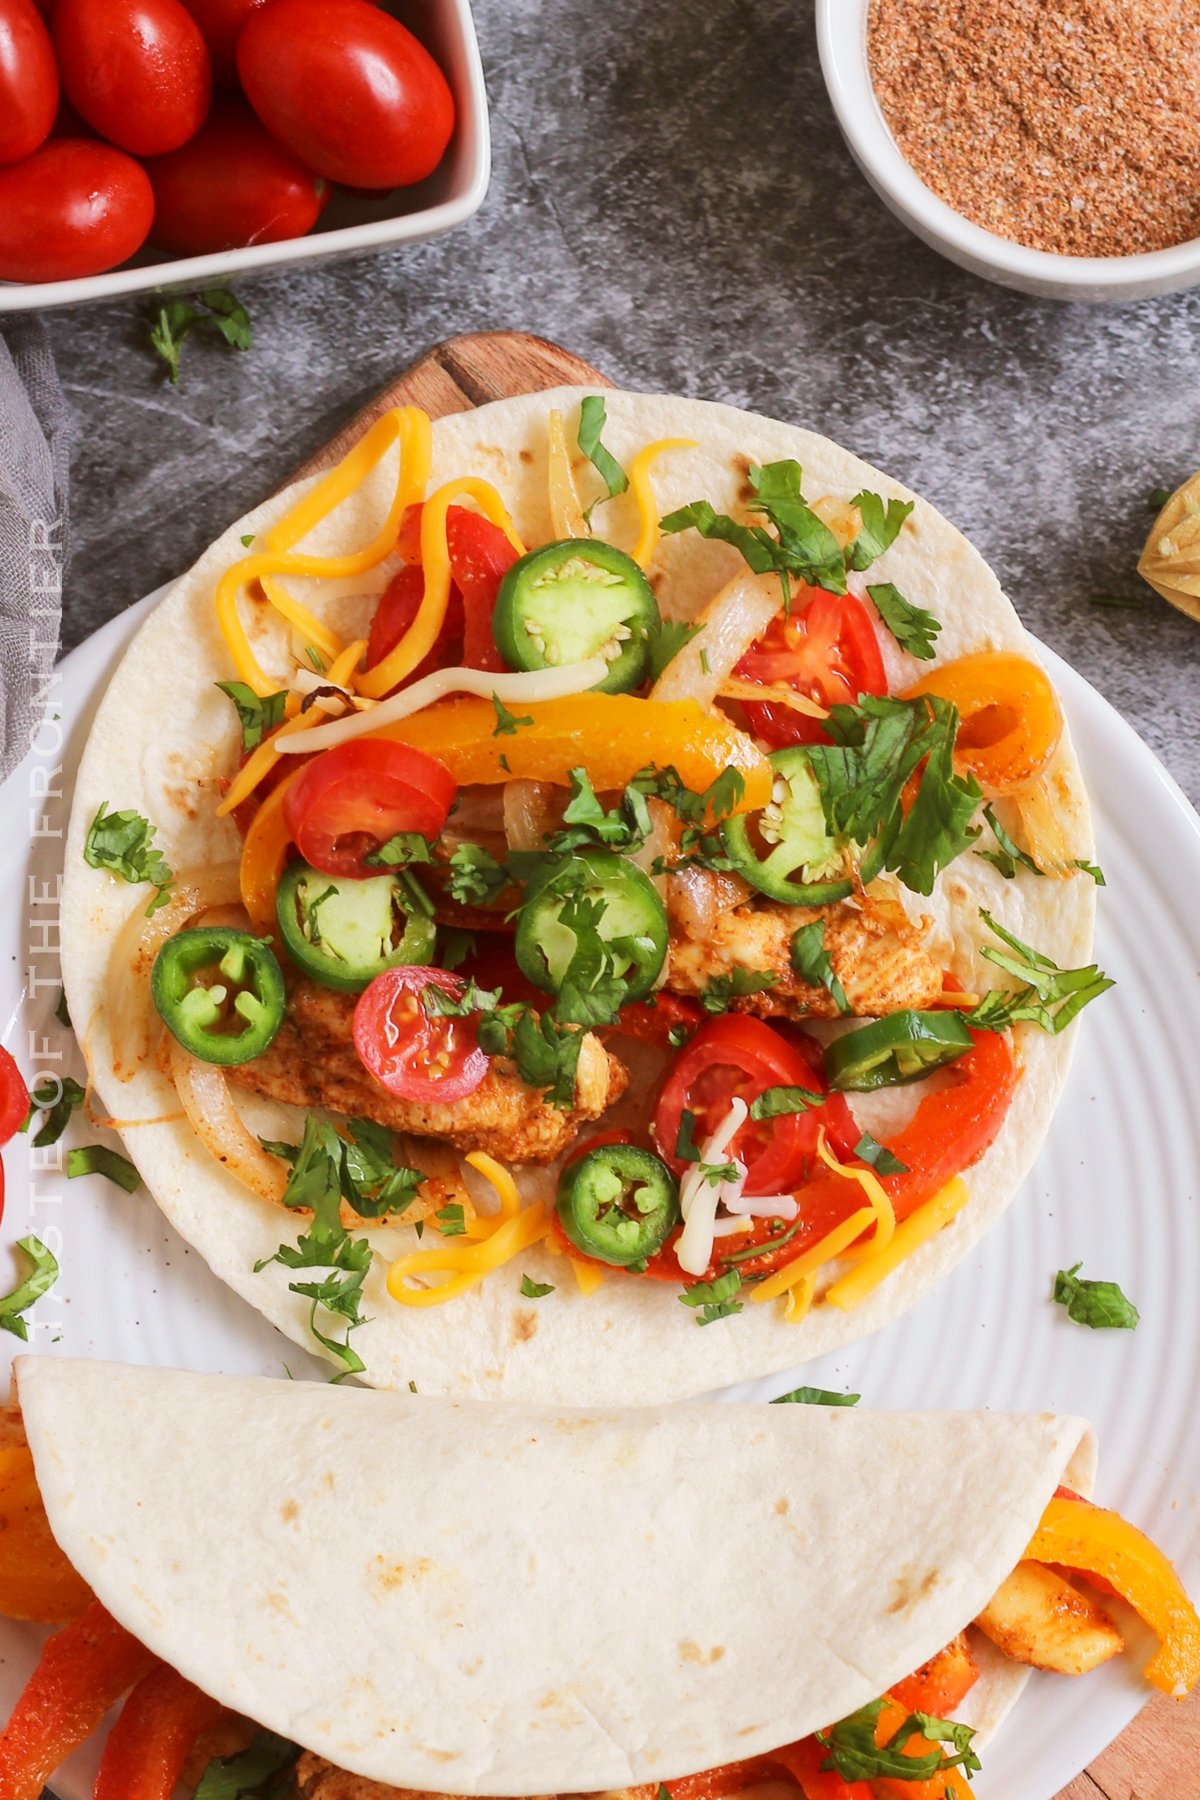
(1158, 1757)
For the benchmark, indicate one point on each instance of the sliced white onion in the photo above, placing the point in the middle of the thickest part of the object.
(138, 943)
(729, 624)
(731, 1227)
(530, 813)
(204, 1091)
(532, 684)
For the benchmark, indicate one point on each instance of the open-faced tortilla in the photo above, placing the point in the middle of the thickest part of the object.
(517, 1600)
(165, 739)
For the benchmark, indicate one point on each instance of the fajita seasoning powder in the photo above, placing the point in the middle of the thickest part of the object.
(1065, 125)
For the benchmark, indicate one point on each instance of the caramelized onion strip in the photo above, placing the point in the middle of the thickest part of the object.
(138, 943)
(204, 1093)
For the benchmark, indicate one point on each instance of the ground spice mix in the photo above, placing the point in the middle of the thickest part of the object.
(1066, 125)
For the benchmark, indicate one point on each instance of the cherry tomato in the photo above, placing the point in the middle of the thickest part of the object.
(220, 23)
(414, 1056)
(75, 207)
(742, 1056)
(397, 607)
(827, 650)
(480, 557)
(230, 185)
(14, 1098)
(349, 800)
(348, 89)
(136, 70)
(28, 80)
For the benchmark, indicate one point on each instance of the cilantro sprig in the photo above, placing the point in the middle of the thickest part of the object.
(587, 824)
(665, 640)
(713, 1300)
(1050, 997)
(1100, 1304)
(218, 311)
(913, 628)
(123, 843)
(507, 722)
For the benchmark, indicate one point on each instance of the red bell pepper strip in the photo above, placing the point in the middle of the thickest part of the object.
(149, 1743)
(803, 1762)
(480, 556)
(84, 1669)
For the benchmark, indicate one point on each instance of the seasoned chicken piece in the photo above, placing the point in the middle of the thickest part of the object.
(319, 1780)
(1037, 1617)
(313, 1062)
(874, 948)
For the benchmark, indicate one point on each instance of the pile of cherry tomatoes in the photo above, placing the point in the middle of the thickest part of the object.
(199, 125)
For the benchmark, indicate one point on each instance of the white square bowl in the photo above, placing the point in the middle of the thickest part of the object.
(351, 223)
(842, 39)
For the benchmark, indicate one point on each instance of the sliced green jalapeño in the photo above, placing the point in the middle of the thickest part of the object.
(573, 600)
(220, 992)
(900, 1048)
(785, 851)
(618, 1204)
(631, 923)
(344, 933)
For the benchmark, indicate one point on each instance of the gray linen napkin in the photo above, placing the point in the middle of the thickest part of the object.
(34, 465)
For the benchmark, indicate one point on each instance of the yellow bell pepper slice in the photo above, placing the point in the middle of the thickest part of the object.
(1077, 1535)
(36, 1580)
(612, 736)
(264, 857)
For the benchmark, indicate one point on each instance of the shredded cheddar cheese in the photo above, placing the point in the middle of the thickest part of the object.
(733, 688)
(800, 1298)
(643, 493)
(421, 635)
(885, 1217)
(466, 1263)
(911, 1233)
(587, 1275)
(812, 1260)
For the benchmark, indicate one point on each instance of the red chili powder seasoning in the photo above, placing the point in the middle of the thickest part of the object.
(1066, 125)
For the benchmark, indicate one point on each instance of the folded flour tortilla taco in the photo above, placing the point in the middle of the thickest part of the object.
(595, 854)
(472, 1598)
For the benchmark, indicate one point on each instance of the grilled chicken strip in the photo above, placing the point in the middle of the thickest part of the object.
(874, 948)
(319, 1780)
(313, 1062)
(1036, 1616)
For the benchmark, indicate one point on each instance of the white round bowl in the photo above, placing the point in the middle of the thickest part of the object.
(842, 38)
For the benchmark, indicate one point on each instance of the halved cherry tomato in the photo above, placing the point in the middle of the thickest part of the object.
(149, 1743)
(75, 207)
(350, 800)
(232, 184)
(416, 1057)
(827, 651)
(348, 89)
(397, 607)
(136, 70)
(480, 557)
(221, 23)
(28, 80)
(14, 1097)
(736, 1055)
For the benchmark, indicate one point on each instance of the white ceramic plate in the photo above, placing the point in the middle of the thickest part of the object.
(1117, 1185)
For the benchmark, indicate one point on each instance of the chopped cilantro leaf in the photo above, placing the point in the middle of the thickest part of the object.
(122, 843)
(218, 311)
(1008, 858)
(854, 1755)
(43, 1273)
(585, 821)
(58, 1107)
(1090, 868)
(61, 1013)
(264, 1771)
(880, 529)
(98, 1159)
(665, 640)
(803, 545)
(1047, 986)
(778, 1102)
(1158, 499)
(913, 628)
(450, 1221)
(455, 946)
(258, 717)
(592, 419)
(247, 539)
(686, 1147)
(714, 1299)
(475, 877)
(810, 1396)
(535, 1290)
(404, 848)
(879, 1156)
(1100, 1304)
(715, 998)
(547, 1055)
(506, 722)
(813, 964)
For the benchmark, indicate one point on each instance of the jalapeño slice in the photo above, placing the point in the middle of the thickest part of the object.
(618, 1204)
(631, 925)
(573, 600)
(785, 851)
(345, 932)
(900, 1048)
(220, 992)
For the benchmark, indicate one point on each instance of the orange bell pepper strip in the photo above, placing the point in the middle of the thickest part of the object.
(264, 857)
(803, 1762)
(942, 1684)
(36, 1580)
(936, 1787)
(1010, 717)
(84, 1669)
(1077, 1535)
(612, 736)
(149, 1743)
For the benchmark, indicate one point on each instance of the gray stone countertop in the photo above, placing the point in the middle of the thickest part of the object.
(673, 201)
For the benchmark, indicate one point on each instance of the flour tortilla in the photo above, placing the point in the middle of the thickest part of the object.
(164, 737)
(508, 1599)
